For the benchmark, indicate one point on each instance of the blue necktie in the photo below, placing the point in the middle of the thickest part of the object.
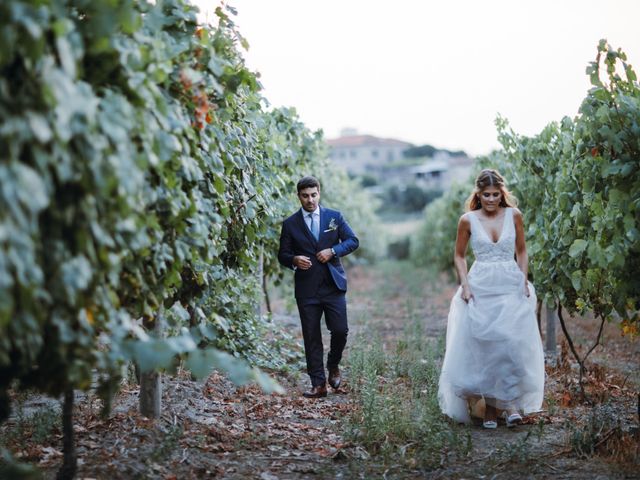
(313, 226)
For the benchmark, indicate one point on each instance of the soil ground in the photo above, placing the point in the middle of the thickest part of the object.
(213, 429)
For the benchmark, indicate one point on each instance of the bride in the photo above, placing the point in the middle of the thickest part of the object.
(493, 348)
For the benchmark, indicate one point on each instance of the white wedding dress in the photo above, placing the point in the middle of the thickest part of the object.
(493, 348)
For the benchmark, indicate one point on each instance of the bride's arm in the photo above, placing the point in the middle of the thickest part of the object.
(521, 248)
(459, 258)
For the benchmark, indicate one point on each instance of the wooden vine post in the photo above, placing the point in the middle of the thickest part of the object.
(550, 347)
(70, 462)
(150, 400)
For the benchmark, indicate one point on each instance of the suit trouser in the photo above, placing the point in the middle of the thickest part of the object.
(333, 303)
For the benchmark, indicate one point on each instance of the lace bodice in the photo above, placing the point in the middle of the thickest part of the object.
(484, 249)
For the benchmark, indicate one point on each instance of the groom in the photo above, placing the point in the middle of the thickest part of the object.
(311, 243)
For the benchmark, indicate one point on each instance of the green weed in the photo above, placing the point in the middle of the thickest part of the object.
(169, 443)
(602, 433)
(552, 405)
(399, 418)
(36, 427)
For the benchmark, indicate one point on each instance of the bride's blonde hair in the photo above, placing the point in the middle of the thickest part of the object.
(489, 178)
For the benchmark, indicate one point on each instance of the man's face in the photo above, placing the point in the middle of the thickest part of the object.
(309, 198)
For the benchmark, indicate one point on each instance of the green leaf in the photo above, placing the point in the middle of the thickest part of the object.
(267, 383)
(219, 185)
(66, 56)
(12, 468)
(201, 362)
(577, 247)
(576, 280)
(181, 344)
(633, 234)
(40, 127)
(181, 312)
(153, 354)
(76, 275)
(238, 371)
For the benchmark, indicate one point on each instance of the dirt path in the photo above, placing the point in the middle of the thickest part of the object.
(542, 447)
(215, 430)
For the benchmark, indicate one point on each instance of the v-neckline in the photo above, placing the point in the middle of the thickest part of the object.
(504, 220)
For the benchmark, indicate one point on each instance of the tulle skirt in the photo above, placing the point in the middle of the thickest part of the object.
(493, 347)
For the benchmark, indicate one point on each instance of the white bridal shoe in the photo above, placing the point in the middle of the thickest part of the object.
(512, 419)
(490, 424)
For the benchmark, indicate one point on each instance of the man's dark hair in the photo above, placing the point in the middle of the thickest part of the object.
(308, 182)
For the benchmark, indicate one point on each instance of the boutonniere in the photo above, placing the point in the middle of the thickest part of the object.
(332, 226)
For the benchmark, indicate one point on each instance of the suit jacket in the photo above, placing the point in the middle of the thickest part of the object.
(297, 239)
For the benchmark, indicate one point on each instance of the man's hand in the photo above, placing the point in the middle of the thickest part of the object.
(302, 262)
(325, 255)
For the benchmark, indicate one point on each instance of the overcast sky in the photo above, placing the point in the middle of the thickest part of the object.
(432, 72)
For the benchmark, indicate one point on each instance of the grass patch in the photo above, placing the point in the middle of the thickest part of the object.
(35, 426)
(520, 451)
(397, 418)
(168, 444)
(602, 434)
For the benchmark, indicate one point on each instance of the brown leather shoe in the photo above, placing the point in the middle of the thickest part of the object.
(318, 391)
(334, 378)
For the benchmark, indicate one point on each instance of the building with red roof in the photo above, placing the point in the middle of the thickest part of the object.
(360, 154)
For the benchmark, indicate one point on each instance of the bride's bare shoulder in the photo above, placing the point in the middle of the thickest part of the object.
(465, 219)
(516, 212)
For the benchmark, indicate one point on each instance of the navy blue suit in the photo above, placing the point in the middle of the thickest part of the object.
(321, 288)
